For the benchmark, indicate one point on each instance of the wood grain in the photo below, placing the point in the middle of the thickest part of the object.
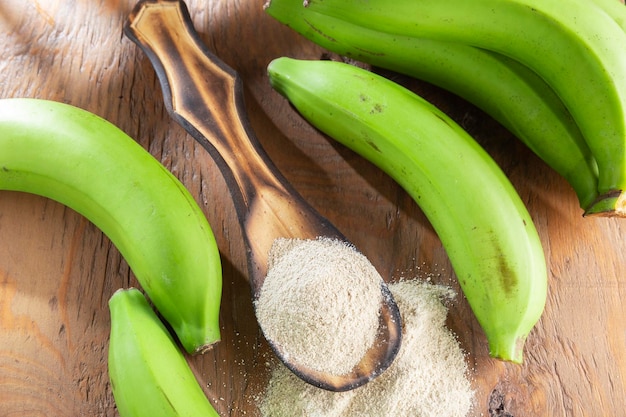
(57, 270)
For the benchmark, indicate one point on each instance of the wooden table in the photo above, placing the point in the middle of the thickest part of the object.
(57, 271)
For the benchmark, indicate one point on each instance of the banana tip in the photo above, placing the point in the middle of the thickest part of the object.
(508, 351)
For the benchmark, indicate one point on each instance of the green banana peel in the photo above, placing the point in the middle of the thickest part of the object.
(508, 91)
(149, 374)
(85, 162)
(483, 225)
(572, 44)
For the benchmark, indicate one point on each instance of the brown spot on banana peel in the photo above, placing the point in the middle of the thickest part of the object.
(317, 30)
(443, 119)
(377, 108)
(506, 274)
(370, 53)
(373, 145)
(508, 278)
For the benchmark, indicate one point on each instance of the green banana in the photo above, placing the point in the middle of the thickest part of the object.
(615, 9)
(508, 91)
(572, 44)
(149, 374)
(483, 225)
(81, 160)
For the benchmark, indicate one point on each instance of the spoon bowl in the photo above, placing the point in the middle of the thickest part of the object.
(205, 96)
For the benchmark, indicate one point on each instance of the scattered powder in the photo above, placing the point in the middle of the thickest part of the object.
(320, 303)
(428, 378)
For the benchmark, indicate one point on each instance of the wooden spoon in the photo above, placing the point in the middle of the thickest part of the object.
(205, 96)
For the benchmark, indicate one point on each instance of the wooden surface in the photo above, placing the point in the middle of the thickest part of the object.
(57, 270)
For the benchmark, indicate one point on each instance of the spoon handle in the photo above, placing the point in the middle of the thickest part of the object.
(205, 96)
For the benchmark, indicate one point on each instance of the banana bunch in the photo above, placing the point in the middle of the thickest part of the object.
(510, 92)
(548, 70)
(483, 225)
(149, 374)
(81, 160)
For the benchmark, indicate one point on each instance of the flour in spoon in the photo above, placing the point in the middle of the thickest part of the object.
(320, 303)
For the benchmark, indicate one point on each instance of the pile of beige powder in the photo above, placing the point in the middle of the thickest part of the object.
(428, 378)
(319, 304)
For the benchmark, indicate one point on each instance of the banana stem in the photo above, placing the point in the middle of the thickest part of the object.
(612, 204)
